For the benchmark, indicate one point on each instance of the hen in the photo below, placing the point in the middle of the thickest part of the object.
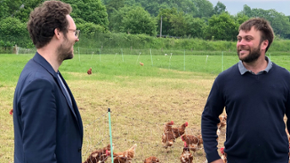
(222, 124)
(99, 156)
(142, 64)
(89, 71)
(186, 156)
(180, 130)
(192, 142)
(224, 155)
(168, 137)
(151, 159)
(125, 157)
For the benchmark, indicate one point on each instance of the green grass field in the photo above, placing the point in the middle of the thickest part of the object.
(141, 98)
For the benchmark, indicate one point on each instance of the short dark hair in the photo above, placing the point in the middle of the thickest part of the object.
(261, 25)
(45, 19)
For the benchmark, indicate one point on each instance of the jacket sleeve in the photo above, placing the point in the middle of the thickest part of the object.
(210, 118)
(38, 117)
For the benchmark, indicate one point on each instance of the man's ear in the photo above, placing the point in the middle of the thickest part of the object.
(57, 33)
(264, 44)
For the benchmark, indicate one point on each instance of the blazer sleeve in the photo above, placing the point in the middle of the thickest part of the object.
(38, 109)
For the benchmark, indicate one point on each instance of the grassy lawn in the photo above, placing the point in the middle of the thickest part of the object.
(141, 98)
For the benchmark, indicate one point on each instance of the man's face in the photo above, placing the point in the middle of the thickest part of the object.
(65, 49)
(249, 45)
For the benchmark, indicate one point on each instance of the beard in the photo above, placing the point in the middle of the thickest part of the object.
(64, 50)
(253, 55)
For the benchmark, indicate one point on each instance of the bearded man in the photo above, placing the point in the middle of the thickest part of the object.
(255, 94)
(47, 123)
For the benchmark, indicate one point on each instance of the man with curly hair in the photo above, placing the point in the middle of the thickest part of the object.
(47, 123)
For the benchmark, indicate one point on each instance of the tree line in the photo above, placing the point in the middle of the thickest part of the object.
(178, 18)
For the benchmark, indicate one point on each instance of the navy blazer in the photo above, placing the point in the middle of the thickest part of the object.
(47, 126)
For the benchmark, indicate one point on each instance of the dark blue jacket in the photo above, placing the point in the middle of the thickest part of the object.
(47, 126)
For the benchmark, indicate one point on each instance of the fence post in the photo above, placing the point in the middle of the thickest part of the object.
(184, 61)
(101, 54)
(79, 53)
(222, 61)
(111, 141)
(151, 58)
(122, 55)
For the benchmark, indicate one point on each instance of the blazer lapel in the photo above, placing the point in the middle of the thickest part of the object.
(40, 60)
(72, 104)
(62, 84)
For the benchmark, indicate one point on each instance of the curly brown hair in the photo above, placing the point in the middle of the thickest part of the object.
(261, 25)
(45, 18)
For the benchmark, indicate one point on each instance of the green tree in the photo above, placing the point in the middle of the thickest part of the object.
(219, 8)
(90, 29)
(167, 14)
(279, 22)
(247, 11)
(195, 27)
(4, 9)
(178, 24)
(117, 18)
(14, 31)
(221, 27)
(90, 11)
(26, 7)
(204, 8)
(138, 21)
(114, 5)
(240, 18)
(154, 6)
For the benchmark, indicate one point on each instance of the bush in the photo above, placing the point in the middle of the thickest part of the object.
(13, 31)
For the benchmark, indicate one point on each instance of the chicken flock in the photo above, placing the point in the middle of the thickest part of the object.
(191, 143)
(170, 133)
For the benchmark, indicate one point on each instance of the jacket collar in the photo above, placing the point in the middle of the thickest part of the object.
(43, 62)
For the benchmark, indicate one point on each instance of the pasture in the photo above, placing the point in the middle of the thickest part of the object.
(141, 98)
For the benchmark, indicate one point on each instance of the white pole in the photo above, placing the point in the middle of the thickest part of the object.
(138, 57)
(100, 55)
(115, 56)
(92, 55)
(79, 53)
(122, 54)
(222, 61)
(184, 61)
(170, 61)
(151, 58)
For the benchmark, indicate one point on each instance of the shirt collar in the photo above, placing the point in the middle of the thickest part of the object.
(243, 69)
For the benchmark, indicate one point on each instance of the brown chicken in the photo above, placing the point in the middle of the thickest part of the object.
(89, 71)
(151, 159)
(99, 155)
(180, 130)
(168, 137)
(186, 156)
(142, 64)
(192, 142)
(222, 124)
(224, 155)
(125, 157)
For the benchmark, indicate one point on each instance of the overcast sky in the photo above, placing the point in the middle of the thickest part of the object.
(235, 6)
